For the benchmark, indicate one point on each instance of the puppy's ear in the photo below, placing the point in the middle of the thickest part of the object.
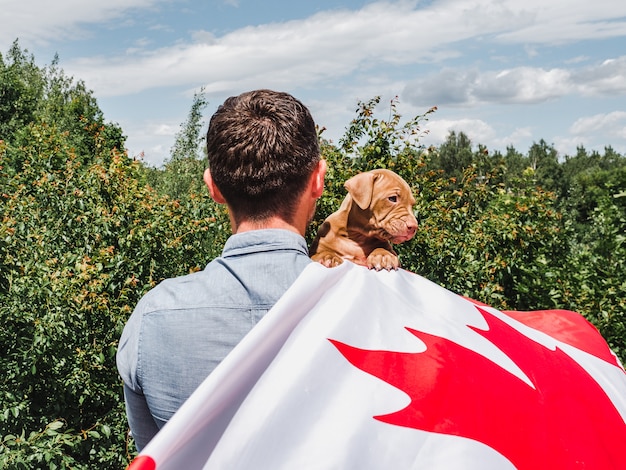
(361, 188)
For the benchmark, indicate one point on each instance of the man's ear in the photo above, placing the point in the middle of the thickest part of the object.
(213, 190)
(317, 182)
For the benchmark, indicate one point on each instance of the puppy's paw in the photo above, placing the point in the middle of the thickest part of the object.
(380, 259)
(330, 260)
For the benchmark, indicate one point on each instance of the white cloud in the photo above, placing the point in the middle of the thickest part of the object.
(40, 21)
(470, 87)
(577, 59)
(477, 130)
(612, 124)
(607, 78)
(567, 145)
(335, 44)
(150, 140)
(166, 129)
(294, 53)
(565, 21)
(405, 25)
(518, 136)
(473, 87)
(596, 131)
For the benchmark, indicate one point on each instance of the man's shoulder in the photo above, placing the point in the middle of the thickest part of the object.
(174, 291)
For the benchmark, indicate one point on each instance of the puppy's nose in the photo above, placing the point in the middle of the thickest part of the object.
(411, 226)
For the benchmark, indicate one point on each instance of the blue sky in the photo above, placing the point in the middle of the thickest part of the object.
(505, 72)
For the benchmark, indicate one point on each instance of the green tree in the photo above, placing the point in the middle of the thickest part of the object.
(190, 139)
(371, 142)
(70, 106)
(598, 260)
(21, 89)
(544, 161)
(81, 243)
(490, 244)
(454, 155)
(182, 173)
(589, 179)
(82, 237)
(513, 165)
(45, 95)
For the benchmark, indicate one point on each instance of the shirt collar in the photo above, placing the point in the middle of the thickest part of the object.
(264, 240)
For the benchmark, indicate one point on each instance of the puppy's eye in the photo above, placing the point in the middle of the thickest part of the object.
(393, 198)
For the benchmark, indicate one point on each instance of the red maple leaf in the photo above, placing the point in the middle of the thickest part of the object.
(565, 421)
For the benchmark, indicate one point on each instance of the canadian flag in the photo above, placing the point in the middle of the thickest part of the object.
(356, 369)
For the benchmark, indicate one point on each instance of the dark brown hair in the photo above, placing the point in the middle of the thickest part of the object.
(262, 148)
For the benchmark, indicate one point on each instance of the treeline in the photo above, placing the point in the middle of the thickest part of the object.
(86, 230)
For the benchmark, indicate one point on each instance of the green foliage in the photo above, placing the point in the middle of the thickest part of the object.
(33, 95)
(589, 181)
(543, 159)
(492, 244)
(182, 173)
(454, 155)
(21, 89)
(81, 243)
(599, 279)
(189, 139)
(82, 237)
(370, 142)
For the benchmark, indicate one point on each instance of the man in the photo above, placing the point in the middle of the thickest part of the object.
(264, 164)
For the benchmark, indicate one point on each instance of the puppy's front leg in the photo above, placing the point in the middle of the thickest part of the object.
(381, 258)
(327, 258)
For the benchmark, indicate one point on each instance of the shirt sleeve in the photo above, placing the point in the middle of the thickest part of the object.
(142, 426)
(128, 351)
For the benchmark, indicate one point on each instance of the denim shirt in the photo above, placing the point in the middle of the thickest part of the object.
(183, 328)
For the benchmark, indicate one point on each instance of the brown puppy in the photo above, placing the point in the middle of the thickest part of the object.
(377, 212)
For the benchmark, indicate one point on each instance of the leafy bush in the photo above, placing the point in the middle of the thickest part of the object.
(81, 242)
(598, 268)
(30, 94)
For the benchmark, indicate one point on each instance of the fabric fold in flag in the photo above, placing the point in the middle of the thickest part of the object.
(373, 370)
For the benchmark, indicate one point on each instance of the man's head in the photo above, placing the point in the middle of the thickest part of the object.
(262, 149)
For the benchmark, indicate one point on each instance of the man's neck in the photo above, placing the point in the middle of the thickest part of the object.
(274, 222)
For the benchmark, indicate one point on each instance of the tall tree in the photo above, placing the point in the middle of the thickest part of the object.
(21, 90)
(454, 155)
(182, 172)
(189, 138)
(31, 95)
(543, 159)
